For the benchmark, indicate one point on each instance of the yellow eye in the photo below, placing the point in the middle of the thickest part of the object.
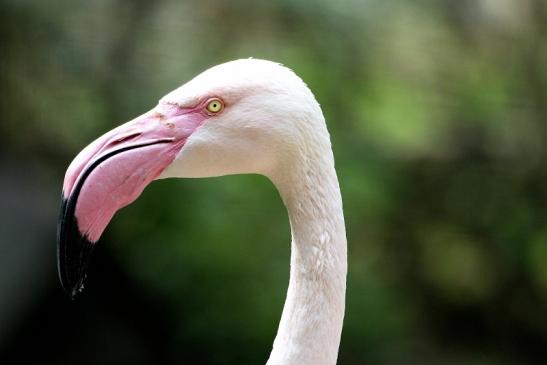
(215, 106)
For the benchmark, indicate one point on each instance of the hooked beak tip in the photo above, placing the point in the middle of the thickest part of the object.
(73, 250)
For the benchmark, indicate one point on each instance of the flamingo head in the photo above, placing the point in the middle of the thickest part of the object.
(244, 116)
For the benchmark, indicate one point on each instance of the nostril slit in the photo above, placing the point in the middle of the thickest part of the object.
(126, 138)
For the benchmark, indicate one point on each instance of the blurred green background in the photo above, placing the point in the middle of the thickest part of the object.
(438, 117)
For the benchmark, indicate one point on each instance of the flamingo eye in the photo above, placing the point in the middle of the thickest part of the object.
(215, 106)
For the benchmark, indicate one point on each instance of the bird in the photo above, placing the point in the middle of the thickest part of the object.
(247, 116)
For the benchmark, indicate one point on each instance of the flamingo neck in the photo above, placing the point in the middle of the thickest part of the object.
(311, 323)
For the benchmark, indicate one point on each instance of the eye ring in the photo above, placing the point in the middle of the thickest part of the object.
(214, 106)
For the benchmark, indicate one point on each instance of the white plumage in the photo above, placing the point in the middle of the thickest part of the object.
(275, 127)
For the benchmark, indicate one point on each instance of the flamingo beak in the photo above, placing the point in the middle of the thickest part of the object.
(108, 175)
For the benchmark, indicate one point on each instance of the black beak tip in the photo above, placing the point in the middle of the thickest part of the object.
(72, 285)
(73, 250)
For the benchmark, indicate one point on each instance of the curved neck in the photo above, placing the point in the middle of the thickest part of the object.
(311, 323)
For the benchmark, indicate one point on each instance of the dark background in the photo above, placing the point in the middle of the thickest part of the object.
(437, 111)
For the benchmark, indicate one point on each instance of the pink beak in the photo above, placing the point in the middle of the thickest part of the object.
(111, 173)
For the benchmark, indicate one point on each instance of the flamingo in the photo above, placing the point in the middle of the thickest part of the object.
(246, 116)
